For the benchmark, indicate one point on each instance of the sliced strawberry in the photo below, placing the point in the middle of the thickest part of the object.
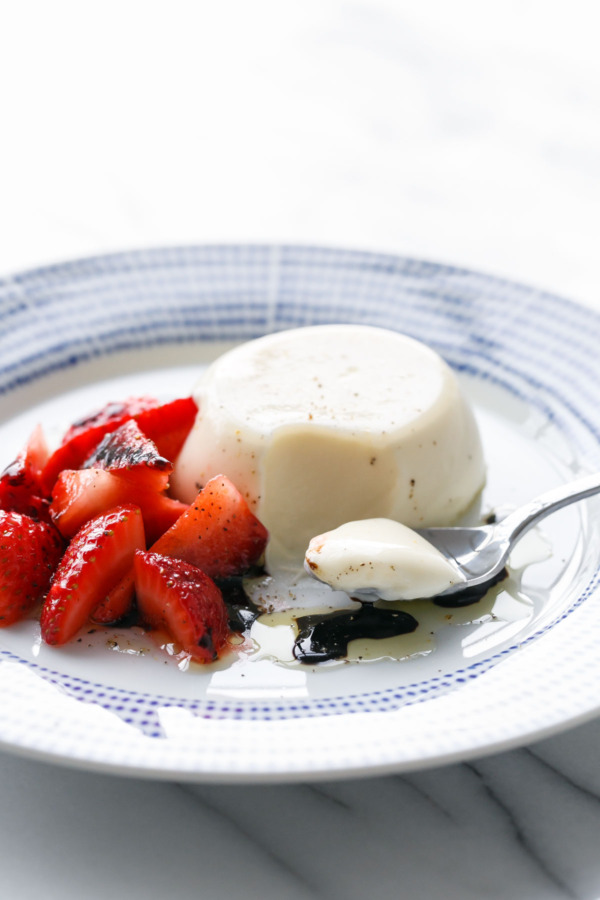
(35, 454)
(159, 512)
(110, 416)
(129, 453)
(29, 554)
(218, 533)
(22, 498)
(83, 436)
(182, 599)
(118, 603)
(95, 560)
(169, 425)
(80, 495)
(20, 486)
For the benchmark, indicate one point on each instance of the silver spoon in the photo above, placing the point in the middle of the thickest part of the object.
(481, 552)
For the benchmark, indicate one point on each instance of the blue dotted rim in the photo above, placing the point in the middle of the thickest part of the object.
(539, 347)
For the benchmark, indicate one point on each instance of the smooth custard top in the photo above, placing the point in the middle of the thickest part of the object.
(349, 377)
(323, 425)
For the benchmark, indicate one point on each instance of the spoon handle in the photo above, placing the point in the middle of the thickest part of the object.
(517, 523)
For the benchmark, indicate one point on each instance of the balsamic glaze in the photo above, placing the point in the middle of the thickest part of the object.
(469, 595)
(323, 637)
(240, 609)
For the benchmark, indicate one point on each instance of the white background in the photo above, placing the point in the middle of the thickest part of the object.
(466, 132)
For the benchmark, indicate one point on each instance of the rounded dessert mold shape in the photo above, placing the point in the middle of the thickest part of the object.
(58, 317)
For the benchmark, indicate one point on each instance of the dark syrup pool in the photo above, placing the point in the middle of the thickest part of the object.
(325, 636)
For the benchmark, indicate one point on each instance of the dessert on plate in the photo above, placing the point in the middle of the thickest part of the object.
(146, 511)
(323, 425)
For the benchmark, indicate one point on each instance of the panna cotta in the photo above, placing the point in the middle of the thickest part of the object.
(328, 424)
(383, 557)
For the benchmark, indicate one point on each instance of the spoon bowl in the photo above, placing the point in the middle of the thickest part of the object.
(481, 552)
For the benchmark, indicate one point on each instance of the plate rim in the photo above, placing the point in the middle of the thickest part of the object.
(358, 770)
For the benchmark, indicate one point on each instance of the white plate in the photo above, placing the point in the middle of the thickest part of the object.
(76, 335)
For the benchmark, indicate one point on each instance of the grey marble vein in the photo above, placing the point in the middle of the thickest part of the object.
(416, 784)
(524, 824)
(521, 833)
(590, 793)
(268, 850)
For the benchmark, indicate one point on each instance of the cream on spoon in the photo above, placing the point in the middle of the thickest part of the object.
(382, 557)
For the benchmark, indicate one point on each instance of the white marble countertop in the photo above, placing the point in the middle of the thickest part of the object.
(466, 133)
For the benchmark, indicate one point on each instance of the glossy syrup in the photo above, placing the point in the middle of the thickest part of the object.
(361, 631)
(240, 609)
(471, 595)
(325, 637)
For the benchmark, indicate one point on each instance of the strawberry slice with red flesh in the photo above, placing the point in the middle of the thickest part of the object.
(34, 456)
(218, 533)
(83, 436)
(169, 425)
(129, 453)
(159, 513)
(118, 603)
(20, 485)
(29, 554)
(96, 559)
(109, 417)
(80, 495)
(183, 600)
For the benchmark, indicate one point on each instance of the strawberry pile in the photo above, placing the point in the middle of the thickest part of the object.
(91, 533)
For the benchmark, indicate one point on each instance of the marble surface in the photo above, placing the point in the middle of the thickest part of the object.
(521, 825)
(466, 133)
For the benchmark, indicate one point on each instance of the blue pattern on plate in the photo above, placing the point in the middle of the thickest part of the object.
(497, 331)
